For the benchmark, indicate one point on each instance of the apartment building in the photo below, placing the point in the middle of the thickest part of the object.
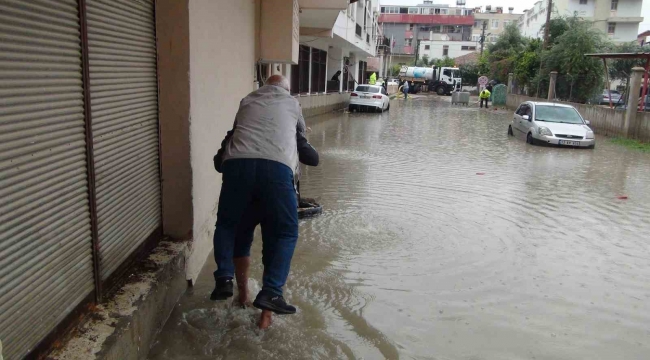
(618, 19)
(327, 46)
(406, 26)
(495, 20)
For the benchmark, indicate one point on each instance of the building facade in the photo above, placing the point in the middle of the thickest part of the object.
(111, 114)
(495, 20)
(438, 49)
(406, 26)
(618, 19)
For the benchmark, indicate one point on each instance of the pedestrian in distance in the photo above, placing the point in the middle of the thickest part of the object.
(484, 96)
(335, 77)
(405, 89)
(259, 162)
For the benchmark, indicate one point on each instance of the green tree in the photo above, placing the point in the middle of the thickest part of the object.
(581, 76)
(558, 26)
(527, 63)
(394, 70)
(470, 74)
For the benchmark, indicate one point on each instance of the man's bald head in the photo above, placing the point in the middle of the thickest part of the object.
(278, 80)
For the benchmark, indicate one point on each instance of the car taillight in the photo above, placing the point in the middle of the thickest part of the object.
(354, 94)
(376, 96)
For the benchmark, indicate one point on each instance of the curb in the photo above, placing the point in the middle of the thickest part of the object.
(125, 326)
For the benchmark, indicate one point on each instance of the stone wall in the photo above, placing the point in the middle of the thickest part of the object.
(604, 121)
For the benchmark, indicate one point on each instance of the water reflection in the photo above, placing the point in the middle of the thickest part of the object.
(418, 257)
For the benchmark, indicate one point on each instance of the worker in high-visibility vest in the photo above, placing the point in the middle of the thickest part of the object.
(373, 79)
(484, 96)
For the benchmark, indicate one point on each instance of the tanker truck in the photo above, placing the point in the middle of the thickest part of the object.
(442, 80)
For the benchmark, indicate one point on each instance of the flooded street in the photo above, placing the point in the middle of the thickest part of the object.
(443, 238)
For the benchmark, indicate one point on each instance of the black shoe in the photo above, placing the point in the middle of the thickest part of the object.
(275, 303)
(223, 289)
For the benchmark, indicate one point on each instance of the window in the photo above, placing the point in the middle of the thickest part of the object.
(436, 29)
(614, 5)
(383, 9)
(427, 47)
(408, 42)
(409, 27)
(436, 11)
(446, 72)
(583, 2)
(318, 68)
(472, 47)
(445, 50)
(495, 24)
(300, 72)
(444, 11)
(413, 10)
(468, 47)
(383, 91)
(403, 10)
(476, 38)
(611, 28)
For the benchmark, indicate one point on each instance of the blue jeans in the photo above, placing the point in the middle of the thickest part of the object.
(257, 191)
(406, 93)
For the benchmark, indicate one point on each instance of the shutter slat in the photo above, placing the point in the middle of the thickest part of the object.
(124, 99)
(46, 264)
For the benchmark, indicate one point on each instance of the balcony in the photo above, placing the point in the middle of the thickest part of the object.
(427, 19)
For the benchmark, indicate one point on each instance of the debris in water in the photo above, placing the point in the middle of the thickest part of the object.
(480, 173)
(622, 197)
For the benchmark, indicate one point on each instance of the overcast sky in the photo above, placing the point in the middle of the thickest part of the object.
(519, 5)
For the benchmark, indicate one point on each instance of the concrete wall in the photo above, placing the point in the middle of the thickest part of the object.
(436, 48)
(628, 8)
(172, 32)
(313, 105)
(625, 32)
(220, 31)
(604, 121)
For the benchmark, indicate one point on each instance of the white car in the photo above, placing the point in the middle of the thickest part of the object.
(369, 97)
(550, 123)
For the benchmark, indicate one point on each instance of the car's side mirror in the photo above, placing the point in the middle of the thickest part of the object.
(587, 122)
(526, 117)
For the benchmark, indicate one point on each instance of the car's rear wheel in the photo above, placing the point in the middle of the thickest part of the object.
(510, 131)
(440, 90)
(388, 107)
(591, 147)
(530, 139)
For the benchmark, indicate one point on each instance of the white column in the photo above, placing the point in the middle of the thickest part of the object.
(327, 60)
(309, 72)
(341, 76)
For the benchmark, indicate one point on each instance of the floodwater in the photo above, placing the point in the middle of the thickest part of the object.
(443, 238)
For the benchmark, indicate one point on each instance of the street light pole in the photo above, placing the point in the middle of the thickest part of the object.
(548, 23)
(483, 35)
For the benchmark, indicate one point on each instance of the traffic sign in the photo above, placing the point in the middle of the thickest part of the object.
(483, 80)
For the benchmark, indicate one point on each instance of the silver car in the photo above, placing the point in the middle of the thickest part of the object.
(550, 123)
(615, 97)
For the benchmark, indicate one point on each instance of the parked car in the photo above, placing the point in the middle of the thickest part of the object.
(646, 106)
(615, 96)
(550, 123)
(369, 97)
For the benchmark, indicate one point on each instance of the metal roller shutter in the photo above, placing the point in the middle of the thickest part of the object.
(46, 267)
(124, 105)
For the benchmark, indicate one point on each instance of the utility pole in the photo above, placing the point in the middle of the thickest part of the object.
(483, 35)
(417, 51)
(547, 29)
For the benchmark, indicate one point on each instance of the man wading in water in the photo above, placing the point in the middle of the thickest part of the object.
(259, 160)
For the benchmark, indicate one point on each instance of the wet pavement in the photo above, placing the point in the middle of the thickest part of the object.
(443, 238)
